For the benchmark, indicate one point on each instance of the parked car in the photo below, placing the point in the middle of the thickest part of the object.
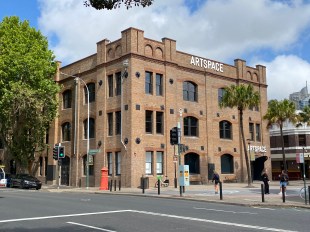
(25, 181)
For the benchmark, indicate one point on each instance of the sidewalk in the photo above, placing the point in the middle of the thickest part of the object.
(233, 193)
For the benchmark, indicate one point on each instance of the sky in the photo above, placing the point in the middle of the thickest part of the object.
(273, 33)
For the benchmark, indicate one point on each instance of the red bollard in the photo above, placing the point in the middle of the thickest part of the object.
(104, 179)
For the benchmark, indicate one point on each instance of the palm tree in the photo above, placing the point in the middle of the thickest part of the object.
(242, 97)
(279, 112)
(304, 116)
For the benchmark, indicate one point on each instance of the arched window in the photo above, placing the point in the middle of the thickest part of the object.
(66, 131)
(90, 166)
(190, 126)
(221, 93)
(225, 130)
(227, 164)
(189, 91)
(92, 92)
(192, 160)
(91, 128)
(67, 99)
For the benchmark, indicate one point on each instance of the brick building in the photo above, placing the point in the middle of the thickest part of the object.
(138, 89)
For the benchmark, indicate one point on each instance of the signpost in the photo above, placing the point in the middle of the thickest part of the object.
(93, 151)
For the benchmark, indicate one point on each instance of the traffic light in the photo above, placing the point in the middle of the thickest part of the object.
(174, 137)
(55, 153)
(61, 153)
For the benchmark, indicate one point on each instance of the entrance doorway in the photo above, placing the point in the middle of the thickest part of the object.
(257, 167)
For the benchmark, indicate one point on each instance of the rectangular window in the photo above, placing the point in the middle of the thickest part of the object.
(110, 163)
(251, 131)
(148, 83)
(302, 140)
(148, 162)
(258, 133)
(110, 85)
(118, 80)
(159, 122)
(159, 162)
(286, 142)
(110, 124)
(118, 122)
(118, 163)
(148, 121)
(159, 84)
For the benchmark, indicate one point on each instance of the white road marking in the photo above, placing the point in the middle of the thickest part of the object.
(213, 221)
(263, 208)
(92, 227)
(225, 211)
(152, 213)
(60, 216)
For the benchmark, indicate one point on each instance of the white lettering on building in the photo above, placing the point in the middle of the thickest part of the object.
(207, 64)
(261, 149)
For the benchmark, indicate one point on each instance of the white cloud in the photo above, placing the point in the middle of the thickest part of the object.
(286, 75)
(220, 29)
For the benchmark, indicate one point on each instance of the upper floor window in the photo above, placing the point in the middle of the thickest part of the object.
(251, 131)
(189, 91)
(225, 130)
(66, 131)
(159, 122)
(190, 126)
(221, 93)
(67, 99)
(110, 85)
(91, 128)
(118, 122)
(148, 83)
(92, 92)
(286, 141)
(110, 124)
(258, 133)
(302, 140)
(159, 84)
(118, 81)
(148, 121)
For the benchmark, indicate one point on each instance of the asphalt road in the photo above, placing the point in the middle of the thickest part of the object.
(31, 210)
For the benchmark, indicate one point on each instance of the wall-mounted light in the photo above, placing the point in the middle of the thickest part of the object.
(99, 143)
(137, 74)
(138, 140)
(171, 81)
(125, 65)
(100, 82)
(126, 140)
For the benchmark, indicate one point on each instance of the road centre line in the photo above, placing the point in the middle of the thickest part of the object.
(61, 216)
(215, 222)
(225, 211)
(91, 227)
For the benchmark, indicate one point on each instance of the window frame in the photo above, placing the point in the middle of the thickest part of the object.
(191, 126)
(159, 84)
(66, 131)
(67, 99)
(92, 92)
(149, 162)
(148, 82)
(225, 132)
(91, 128)
(148, 121)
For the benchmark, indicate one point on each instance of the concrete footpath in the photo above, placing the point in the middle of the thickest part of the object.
(232, 193)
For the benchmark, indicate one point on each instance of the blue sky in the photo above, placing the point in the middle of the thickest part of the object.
(274, 33)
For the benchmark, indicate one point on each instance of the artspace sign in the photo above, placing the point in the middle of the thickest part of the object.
(207, 64)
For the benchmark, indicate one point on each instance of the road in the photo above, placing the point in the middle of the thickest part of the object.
(31, 210)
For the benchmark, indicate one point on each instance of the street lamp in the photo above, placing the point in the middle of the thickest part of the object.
(76, 78)
(304, 173)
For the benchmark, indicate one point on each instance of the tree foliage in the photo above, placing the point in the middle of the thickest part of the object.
(242, 97)
(277, 114)
(27, 89)
(113, 4)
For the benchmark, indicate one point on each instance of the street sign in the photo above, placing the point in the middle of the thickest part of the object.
(93, 151)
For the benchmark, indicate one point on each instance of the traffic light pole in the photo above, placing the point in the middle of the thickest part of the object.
(58, 165)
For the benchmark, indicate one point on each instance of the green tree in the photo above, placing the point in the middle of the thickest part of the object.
(113, 4)
(28, 91)
(277, 114)
(242, 97)
(304, 116)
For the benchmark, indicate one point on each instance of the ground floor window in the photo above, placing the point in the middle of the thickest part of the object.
(192, 160)
(118, 163)
(91, 167)
(159, 162)
(227, 164)
(148, 162)
(110, 163)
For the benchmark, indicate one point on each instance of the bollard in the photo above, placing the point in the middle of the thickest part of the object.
(221, 192)
(309, 194)
(183, 189)
(158, 187)
(263, 192)
(111, 184)
(119, 185)
(283, 194)
(143, 186)
(175, 183)
(114, 185)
